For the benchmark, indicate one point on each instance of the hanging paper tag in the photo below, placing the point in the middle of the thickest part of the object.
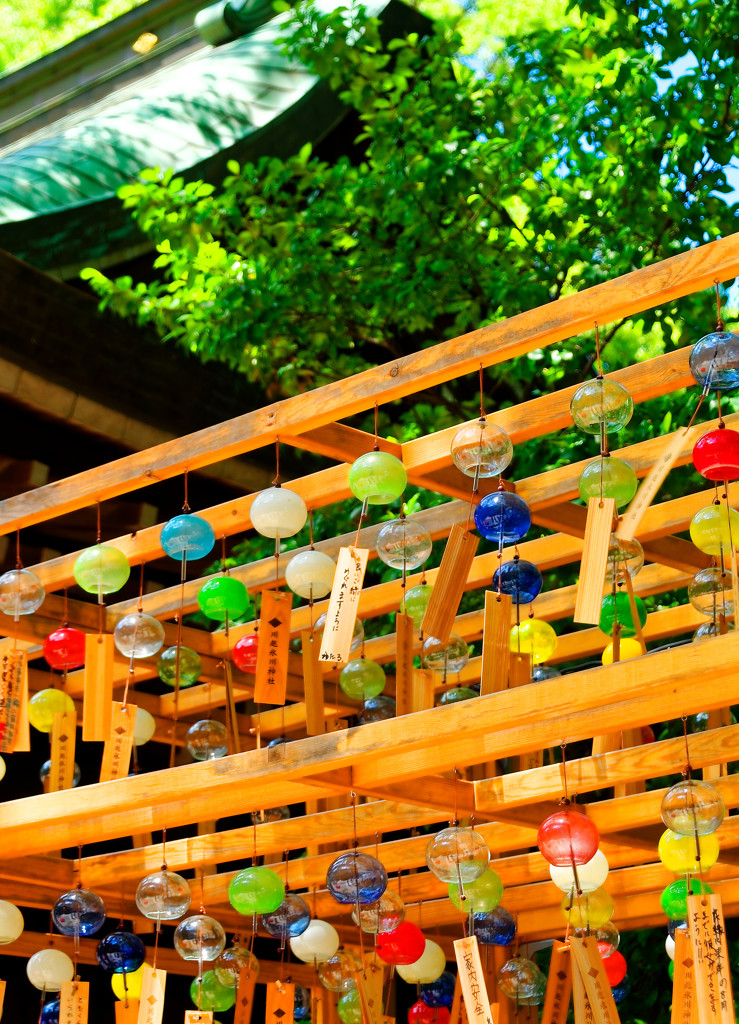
(119, 744)
(280, 1003)
(74, 1002)
(127, 1012)
(198, 1017)
(245, 996)
(598, 528)
(632, 517)
(151, 1002)
(472, 980)
(559, 986)
(450, 582)
(404, 632)
(341, 616)
(63, 736)
(315, 716)
(270, 683)
(496, 633)
(98, 693)
(597, 988)
(712, 968)
(684, 1008)
(14, 731)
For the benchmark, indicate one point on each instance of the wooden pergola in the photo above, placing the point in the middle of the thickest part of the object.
(414, 769)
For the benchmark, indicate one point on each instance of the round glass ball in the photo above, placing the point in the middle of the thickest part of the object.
(138, 635)
(337, 973)
(207, 740)
(709, 629)
(620, 991)
(535, 638)
(199, 937)
(481, 449)
(232, 962)
(349, 1007)
(587, 911)
(711, 592)
(590, 875)
(318, 942)
(519, 579)
(607, 938)
(187, 536)
(608, 477)
(64, 649)
(479, 896)
(618, 608)
(291, 918)
(50, 1012)
(189, 668)
(44, 704)
(361, 678)
(44, 775)
(78, 912)
(601, 405)
(144, 727)
(428, 968)
(496, 927)
(384, 915)
(714, 361)
(120, 953)
(674, 898)
(716, 454)
(628, 648)
(457, 855)
(11, 923)
(502, 517)
(457, 694)
(567, 837)
(310, 574)
(403, 544)
(422, 1013)
(615, 967)
(415, 601)
(692, 807)
(439, 992)
(128, 986)
(377, 709)
(377, 478)
(712, 529)
(47, 969)
(278, 512)
(163, 896)
(244, 653)
(447, 657)
(21, 592)
(624, 557)
(223, 598)
(301, 1003)
(541, 672)
(522, 981)
(356, 877)
(207, 993)
(256, 890)
(687, 854)
(101, 569)
(404, 945)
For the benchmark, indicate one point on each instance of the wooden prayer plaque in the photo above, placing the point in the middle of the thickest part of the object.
(97, 707)
(559, 986)
(343, 604)
(270, 685)
(684, 1008)
(368, 998)
(74, 1002)
(2, 996)
(63, 736)
(458, 1013)
(127, 1012)
(119, 744)
(583, 1012)
(711, 960)
(451, 578)
(598, 528)
(315, 718)
(496, 633)
(280, 1003)
(153, 984)
(472, 980)
(589, 964)
(14, 729)
(405, 633)
(245, 996)
(651, 483)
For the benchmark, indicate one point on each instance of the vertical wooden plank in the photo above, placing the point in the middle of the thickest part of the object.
(97, 702)
(14, 731)
(245, 996)
(119, 744)
(711, 960)
(74, 1002)
(270, 682)
(472, 980)
(315, 717)
(582, 1010)
(651, 483)
(405, 633)
(127, 1012)
(63, 737)
(450, 582)
(370, 1004)
(684, 1008)
(341, 615)
(598, 527)
(280, 1003)
(423, 689)
(153, 984)
(630, 738)
(597, 988)
(496, 632)
(559, 986)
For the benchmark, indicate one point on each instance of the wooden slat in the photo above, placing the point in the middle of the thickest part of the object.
(594, 559)
(404, 631)
(495, 642)
(450, 583)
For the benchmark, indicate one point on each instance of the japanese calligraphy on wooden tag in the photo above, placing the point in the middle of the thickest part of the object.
(127, 1011)
(245, 996)
(198, 1017)
(589, 964)
(341, 616)
(74, 1002)
(63, 736)
(712, 969)
(119, 744)
(98, 694)
(632, 517)
(684, 1008)
(405, 634)
(451, 579)
(472, 980)
(583, 1011)
(280, 1003)
(496, 632)
(270, 684)
(14, 729)
(598, 527)
(151, 1002)
(315, 717)
(559, 986)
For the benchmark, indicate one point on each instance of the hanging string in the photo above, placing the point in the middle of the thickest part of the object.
(18, 563)
(276, 481)
(99, 528)
(482, 396)
(185, 503)
(720, 325)
(376, 444)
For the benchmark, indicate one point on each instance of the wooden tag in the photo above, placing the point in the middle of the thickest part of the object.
(245, 996)
(151, 1007)
(98, 698)
(634, 616)
(127, 1012)
(74, 1002)
(404, 633)
(338, 632)
(496, 631)
(472, 980)
(280, 1003)
(651, 483)
(198, 1017)
(63, 737)
(712, 968)
(119, 744)
(270, 683)
(598, 527)
(315, 718)
(559, 986)
(370, 1004)
(2, 997)
(14, 730)
(583, 1012)
(423, 689)
(684, 1008)
(458, 1013)
(449, 585)
(590, 966)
